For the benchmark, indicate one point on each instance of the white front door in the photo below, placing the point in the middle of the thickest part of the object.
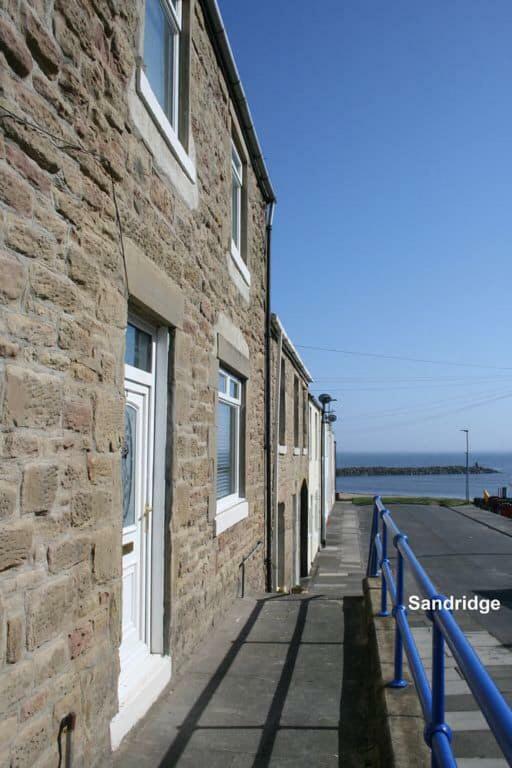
(137, 500)
(143, 674)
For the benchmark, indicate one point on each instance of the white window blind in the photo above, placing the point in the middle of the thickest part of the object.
(228, 435)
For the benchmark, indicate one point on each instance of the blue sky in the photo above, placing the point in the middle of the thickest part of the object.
(387, 130)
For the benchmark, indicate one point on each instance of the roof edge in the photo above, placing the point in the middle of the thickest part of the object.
(225, 54)
(292, 352)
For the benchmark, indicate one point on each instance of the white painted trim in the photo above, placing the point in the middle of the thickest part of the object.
(292, 349)
(296, 451)
(227, 502)
(160, 118)
(155, 674)
(158, 529)
(283, 450)
(229, 517)
(240, 263)
(236, 405)
(237, 170)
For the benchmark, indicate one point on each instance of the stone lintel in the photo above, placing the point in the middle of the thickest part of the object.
(232, 357)
(150, 287)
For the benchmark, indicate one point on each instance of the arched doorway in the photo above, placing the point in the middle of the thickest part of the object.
(304, 532)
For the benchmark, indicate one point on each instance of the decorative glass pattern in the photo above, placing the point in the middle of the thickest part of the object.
(128, 465)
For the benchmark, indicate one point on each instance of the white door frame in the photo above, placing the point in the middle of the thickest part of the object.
(136, 537)
(162, 341)
(141, 682)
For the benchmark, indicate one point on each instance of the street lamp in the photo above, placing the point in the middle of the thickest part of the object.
(327, 418)
(467, 462)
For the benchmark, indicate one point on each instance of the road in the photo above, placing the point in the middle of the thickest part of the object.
(462, 557)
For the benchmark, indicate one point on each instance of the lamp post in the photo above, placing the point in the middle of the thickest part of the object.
(326, 418)
(467, 462)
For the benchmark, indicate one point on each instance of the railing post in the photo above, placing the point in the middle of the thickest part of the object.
(373, 569)
(437, 721)
(398, 680)
(383, 586)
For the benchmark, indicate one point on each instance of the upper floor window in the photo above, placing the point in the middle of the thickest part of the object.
(282, 404)
(163, 76)
(237, 182)
(296, 411)
(304, 419)
(162, 30)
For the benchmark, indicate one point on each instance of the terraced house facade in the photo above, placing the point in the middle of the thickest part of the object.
(290, 461)
(134, 302)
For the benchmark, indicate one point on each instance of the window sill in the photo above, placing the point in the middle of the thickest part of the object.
(296, 451)
(228, 516)
(283, 450)
(240, 264)
(163, 124)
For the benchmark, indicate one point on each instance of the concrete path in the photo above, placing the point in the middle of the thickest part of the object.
(465, 551)
(280, 682)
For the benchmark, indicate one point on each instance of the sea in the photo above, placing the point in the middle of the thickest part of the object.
(438, 486)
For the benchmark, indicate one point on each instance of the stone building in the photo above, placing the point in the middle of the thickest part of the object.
(315, 477)
(290, 445)
(133, 290)
(329, 470)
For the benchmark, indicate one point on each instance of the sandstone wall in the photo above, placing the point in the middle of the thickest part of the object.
(293, 466)
(66, 66)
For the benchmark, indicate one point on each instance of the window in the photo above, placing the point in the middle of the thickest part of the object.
(163, 74)
(162, 30)
(237, 182)
(139, 348)
(228, 436)
(304, 419)
(231, 506)
(239, 211)
(296, 411)
(282, 405)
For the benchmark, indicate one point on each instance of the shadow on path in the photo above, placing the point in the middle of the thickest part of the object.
(191, 721)
(357, 732)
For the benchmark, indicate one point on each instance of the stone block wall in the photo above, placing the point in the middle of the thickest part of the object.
(66, 66)
(293, 465)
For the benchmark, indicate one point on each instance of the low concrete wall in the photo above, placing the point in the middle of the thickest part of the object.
(399, 716)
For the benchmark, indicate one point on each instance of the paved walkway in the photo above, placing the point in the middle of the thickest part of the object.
(280, 683)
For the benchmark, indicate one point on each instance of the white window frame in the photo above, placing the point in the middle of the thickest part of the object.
(296, 415)
(168, 127)
(237, 169)
(233, 508)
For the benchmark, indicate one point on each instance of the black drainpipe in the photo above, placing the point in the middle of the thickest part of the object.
(268, 410)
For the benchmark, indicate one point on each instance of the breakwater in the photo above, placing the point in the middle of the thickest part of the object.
(453, 469)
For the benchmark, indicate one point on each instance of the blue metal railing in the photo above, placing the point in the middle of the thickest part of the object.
(445, 630)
